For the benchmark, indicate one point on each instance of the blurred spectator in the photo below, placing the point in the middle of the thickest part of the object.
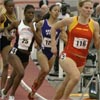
(94, 7)
(42, 2)
(65, 9)
(97, 11)
(44, 9)
(43, 5)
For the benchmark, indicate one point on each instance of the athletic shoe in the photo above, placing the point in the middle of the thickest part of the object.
(11, 98)
(3, 96)
(30, 96)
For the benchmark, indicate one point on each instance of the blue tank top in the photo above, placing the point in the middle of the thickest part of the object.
(46, 39)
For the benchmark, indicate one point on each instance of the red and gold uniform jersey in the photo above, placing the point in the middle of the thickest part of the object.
(79, 37)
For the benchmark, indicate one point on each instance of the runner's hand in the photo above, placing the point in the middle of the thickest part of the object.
(54, 50)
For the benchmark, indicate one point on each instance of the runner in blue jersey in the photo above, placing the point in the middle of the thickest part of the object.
(44, 54)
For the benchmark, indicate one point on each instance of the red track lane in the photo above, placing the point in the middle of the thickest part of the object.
(31, 72)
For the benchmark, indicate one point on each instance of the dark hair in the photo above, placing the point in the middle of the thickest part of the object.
(94, 7)
(95, 4)
(28, 7)
(6, 1)
(47, 15)
(42, 3)
(65, 8)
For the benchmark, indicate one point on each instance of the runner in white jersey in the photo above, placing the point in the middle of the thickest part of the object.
(19, 54)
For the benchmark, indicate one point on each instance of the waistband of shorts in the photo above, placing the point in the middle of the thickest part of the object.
(24, 51)
(80, 56)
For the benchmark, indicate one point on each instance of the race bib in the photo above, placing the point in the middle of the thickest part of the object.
(13, 51)
(63, 56)
(47, 42)
(24, 42)
(80, 43)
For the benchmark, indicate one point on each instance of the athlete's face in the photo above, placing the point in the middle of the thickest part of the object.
(10, 7)
(87, 9)
(54, 13)
(29, 14)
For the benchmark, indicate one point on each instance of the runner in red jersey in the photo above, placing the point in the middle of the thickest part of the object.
(80, 37)
(81, 30)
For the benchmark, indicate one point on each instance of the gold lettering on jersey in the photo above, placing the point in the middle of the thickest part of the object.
(78, 28)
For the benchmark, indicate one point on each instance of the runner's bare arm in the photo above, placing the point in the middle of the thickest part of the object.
(96, 36)
(37, 33)
(63, 35)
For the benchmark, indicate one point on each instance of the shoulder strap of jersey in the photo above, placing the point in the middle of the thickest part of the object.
(91, 25)
(73, 24)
